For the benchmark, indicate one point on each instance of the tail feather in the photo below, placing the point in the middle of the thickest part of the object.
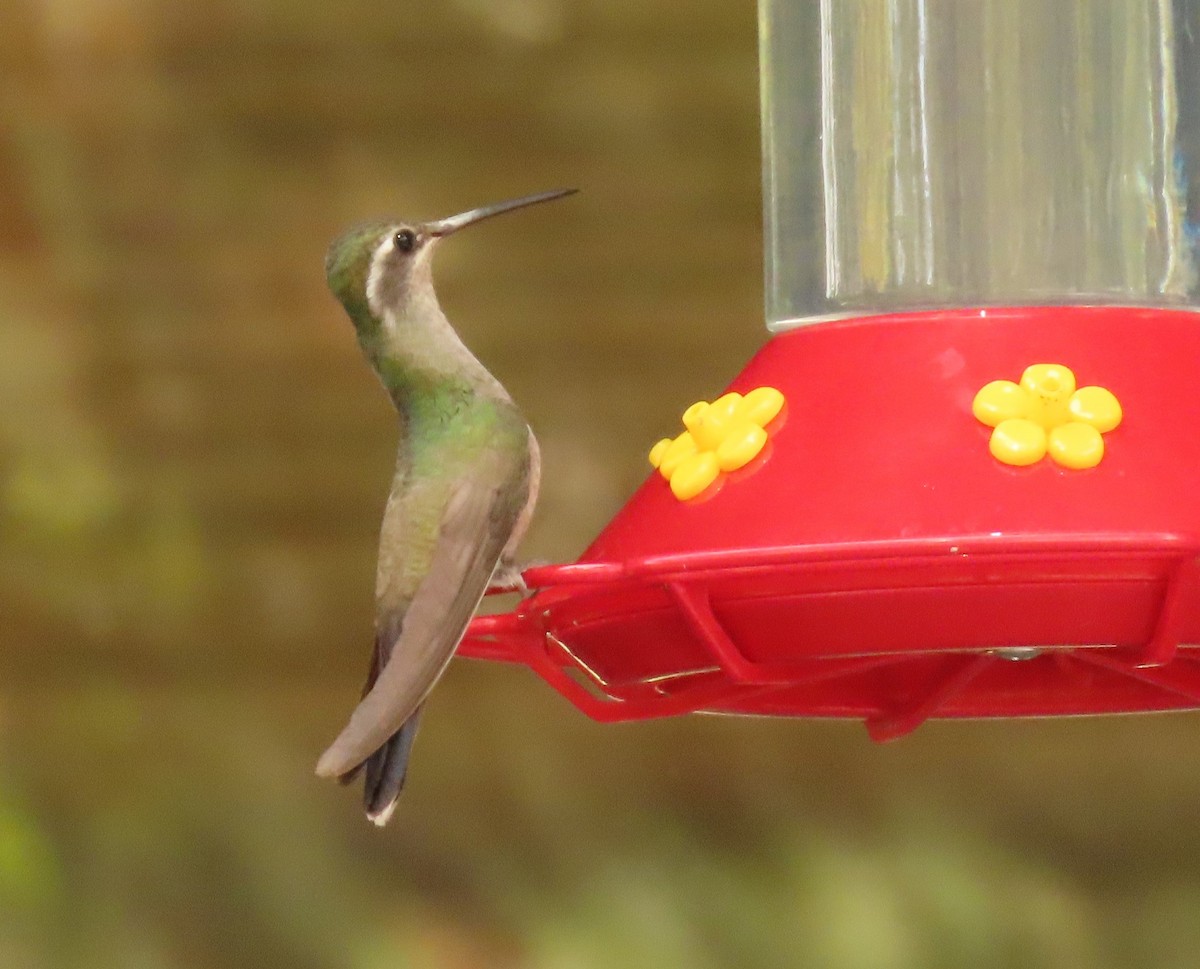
(386, 770)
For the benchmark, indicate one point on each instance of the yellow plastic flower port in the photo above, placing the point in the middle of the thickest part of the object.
(721, 436)
(1046, 414)
(1018, 441)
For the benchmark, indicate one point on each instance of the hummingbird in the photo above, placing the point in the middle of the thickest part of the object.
(465, 485)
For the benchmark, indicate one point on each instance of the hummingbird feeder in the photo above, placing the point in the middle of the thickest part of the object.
(962, 478)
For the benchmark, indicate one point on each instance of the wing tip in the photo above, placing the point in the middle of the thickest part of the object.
(332, 763)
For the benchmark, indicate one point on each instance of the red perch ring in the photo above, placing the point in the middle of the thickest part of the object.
(877, 562)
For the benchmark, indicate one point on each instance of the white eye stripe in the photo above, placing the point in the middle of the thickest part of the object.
(376, 273)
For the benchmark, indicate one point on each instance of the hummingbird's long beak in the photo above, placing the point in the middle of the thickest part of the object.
(443, 227)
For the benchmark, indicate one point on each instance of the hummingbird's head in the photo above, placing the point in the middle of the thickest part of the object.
(379, 269)
(373, 267)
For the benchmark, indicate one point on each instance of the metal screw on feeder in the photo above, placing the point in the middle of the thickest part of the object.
(957, 196)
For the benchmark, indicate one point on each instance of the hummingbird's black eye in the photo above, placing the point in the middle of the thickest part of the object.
(406, 240)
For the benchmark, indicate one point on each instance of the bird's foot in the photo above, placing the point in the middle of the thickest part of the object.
(508, 578)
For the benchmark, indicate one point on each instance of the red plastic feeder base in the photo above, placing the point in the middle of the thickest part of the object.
(878, 563)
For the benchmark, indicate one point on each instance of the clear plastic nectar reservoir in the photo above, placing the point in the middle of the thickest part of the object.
(923, 154)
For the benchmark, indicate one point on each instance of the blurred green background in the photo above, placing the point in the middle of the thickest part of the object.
(193, 461)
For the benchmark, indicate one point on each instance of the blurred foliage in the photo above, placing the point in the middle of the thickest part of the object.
(193, 459)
